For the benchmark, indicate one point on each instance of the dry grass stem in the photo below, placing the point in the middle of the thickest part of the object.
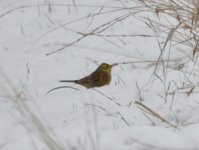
(155, 114)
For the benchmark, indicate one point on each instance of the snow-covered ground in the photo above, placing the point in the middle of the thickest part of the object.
(105, 118)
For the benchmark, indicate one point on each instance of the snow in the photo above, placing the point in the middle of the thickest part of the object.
(104, 118)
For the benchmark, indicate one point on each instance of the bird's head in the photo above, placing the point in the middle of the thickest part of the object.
(105, 67)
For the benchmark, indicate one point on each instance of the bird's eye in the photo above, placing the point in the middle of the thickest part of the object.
(105, 67)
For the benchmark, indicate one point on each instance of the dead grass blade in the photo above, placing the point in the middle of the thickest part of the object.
(125, 121)
(61, 87)
(155, 114)
(31, 122)
(109, 98)
(99, 29)
(145, 61)
(184, 30)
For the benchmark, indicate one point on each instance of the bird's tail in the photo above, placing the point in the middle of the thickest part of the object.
(74, 81)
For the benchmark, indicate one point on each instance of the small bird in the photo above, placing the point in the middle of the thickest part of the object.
(100, 77)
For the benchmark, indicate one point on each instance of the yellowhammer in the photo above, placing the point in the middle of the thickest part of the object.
(100, 77)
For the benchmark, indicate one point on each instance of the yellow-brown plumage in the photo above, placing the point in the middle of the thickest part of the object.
(100, 77)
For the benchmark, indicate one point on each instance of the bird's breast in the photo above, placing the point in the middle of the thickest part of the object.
(106, 78)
